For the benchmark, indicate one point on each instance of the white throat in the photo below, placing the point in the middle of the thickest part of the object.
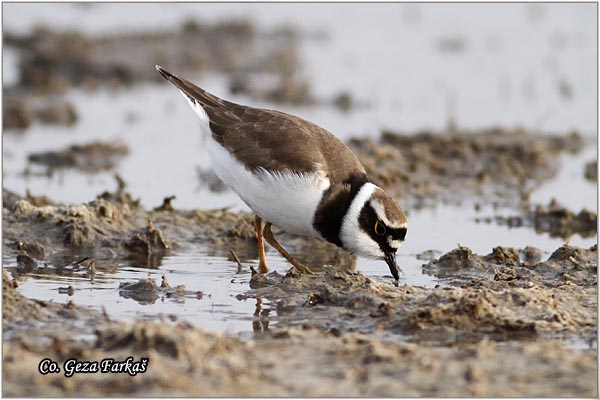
(352, 236)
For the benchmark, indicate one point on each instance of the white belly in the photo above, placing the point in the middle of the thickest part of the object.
(287, 200)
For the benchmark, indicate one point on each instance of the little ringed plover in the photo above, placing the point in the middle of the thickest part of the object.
(298, 176)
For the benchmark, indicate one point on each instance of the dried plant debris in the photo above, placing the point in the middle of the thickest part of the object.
(89, 157)
(554, 219)
(38, 201)
(147, 246)
(496, 165)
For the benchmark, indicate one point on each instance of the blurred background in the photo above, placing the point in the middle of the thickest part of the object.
(81, 72)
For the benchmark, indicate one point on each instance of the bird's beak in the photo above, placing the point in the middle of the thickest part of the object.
(390, 259)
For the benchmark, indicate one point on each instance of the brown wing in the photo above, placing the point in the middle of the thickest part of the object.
(272, 140)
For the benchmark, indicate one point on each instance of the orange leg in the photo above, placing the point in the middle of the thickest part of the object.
(262, 259)
(268, 235)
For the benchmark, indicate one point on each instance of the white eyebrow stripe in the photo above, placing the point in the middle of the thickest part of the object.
(378, 207)
(380, 211)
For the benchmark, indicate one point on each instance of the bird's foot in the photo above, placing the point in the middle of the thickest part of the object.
(262, 267)
(302, 268)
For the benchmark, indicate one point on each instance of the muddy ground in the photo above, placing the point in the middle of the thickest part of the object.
(52, 62)
(296, 361)
(499, 327)
(497, 166)
(507, 323)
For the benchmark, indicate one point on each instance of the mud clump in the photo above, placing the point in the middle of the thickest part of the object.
(504, 255)
(32, 248)
(114, 225)
(591, 171)
(561, 222)
(146, 291)
(523, 265)
(90, 157)
(554, 219)
(495, 296)
(96, 226)
(147, 242)
(15, 115)
(459, 258)
(496, 164)
(20, 113)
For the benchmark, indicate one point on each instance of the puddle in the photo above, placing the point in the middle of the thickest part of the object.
(212, 285)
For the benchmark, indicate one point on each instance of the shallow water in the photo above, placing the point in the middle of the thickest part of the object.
(217, 277)
(399, 69)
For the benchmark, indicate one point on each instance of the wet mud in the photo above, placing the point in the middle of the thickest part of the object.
(591, 171)
(496, 165)
(51, 62)
(89, 157)
(360, 358)
(508, 294)
(499, 318)
(146, 291)
(554, 219)
(514, 322)
(20, 111)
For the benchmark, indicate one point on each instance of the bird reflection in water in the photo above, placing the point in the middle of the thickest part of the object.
(260, 322)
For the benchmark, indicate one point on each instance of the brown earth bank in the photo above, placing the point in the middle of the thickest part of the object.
(498, 327)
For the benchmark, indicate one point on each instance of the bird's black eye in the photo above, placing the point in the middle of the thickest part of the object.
(379, 228)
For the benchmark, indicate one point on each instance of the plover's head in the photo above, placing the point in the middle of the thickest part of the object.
(374, 226)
